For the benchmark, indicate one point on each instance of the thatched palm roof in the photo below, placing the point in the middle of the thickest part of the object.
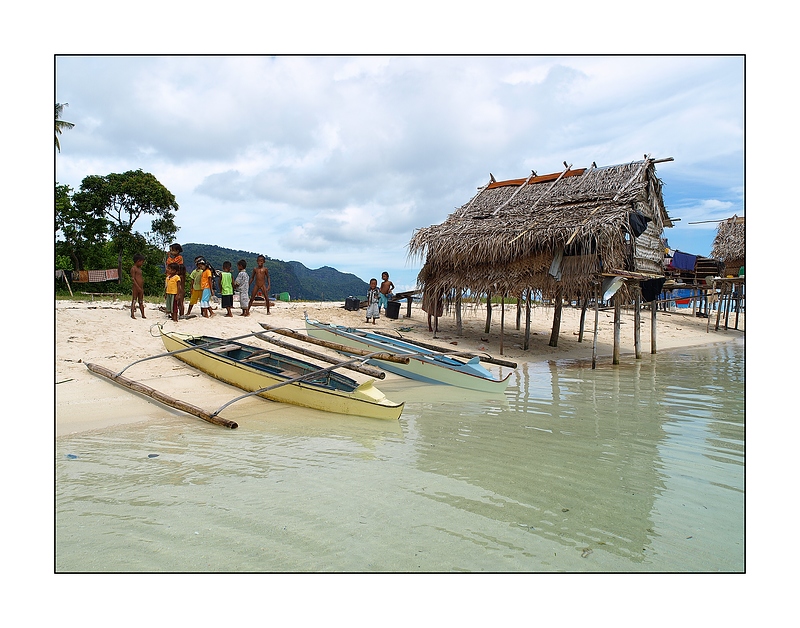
(505, 238)
(729, 242)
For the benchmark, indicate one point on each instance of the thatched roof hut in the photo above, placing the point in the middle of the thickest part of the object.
(577, 224)
(728, 244)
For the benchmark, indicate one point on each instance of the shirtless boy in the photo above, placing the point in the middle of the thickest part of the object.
(261, 282)
(138, 284)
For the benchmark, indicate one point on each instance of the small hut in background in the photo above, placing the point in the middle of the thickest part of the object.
(575, 235)
(728, 247)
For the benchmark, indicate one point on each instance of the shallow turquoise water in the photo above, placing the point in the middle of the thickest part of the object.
(638, 467)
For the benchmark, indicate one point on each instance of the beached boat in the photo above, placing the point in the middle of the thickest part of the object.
(424, 364)
(251, 368)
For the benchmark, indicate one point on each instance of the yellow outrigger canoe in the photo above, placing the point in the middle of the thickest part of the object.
(251, 369)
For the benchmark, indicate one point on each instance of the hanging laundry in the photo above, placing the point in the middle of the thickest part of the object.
(638, 222)
(652, 288)
(683, 261)
(112, 274)
(97, 275)
(80, 276)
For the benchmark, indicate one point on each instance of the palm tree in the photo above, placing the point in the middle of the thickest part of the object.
(61, 124)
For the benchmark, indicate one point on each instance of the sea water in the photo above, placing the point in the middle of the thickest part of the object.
(631, 468)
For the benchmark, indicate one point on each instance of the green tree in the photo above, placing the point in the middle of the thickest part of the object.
(78, 233)
(61, 124)
(121, 199)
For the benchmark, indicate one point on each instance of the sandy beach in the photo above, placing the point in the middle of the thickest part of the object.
(103, 332)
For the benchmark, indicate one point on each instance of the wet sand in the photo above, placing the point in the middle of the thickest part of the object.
(103, 332)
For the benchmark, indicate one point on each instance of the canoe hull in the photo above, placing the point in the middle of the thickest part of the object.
(365, 400)
(425, 369)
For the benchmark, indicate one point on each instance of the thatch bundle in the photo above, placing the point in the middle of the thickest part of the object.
(729, 244)
(505, 239)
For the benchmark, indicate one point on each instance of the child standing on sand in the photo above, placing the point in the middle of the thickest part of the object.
(138, 284)
(172, 286)
(373, 298)
(226, 287)
(242, 285)
(386, 291)
(194, 280)
(260, 281)
(174, 256)
(207, 286)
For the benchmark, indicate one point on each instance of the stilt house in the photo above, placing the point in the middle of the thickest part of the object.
(559, 234)
(728, 245)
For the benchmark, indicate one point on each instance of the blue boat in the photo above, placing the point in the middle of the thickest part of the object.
(425, 365)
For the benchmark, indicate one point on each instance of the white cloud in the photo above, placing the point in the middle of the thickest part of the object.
(310, 156)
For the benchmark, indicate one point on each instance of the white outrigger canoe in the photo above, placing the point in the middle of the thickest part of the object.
(424, 364)
(252, 369)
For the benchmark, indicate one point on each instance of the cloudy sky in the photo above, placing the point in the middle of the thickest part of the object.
(336, 160)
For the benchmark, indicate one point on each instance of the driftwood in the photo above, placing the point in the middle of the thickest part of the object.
(358, 368)
(386, 357)
(160, 397)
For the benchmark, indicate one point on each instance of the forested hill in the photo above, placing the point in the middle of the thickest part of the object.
(322, 284)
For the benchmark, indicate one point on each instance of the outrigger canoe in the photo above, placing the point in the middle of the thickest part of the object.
(251, 368)
(424, 364)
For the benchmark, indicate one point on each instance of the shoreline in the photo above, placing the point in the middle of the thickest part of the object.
(104, 333)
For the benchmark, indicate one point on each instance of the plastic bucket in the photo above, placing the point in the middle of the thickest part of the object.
(393, 309)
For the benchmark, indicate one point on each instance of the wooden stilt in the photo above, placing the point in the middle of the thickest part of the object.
(502, 321)
(719, 306)
(653, 310)
(596, 324)
(617, 324)
(160, 397)
(637, 324)
(583, 319)
(527, 342)
(556, 319)
(459, 323)
(728, 305)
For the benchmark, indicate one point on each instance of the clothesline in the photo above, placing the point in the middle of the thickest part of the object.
(92, 276)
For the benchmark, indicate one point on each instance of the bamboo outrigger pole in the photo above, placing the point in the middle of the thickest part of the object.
(161, 397)
(386, 357)
(358, 368)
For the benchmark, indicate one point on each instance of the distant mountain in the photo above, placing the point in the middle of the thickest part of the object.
(322, 284)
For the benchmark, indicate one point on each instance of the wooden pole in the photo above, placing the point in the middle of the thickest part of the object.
(617, 325)
(556, 319)
(584, 305)
(653, 310)
(719, 305)
(596, 324)
(488, 312)
(728, 305)
(459, 324)
(386, 357)
(527, 320)
(358, 368)
(637, 324)
(160, 397)
(502, 321)
(519, 312)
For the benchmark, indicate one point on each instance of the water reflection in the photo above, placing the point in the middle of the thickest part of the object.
(586, 457)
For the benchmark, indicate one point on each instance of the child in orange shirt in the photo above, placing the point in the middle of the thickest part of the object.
(207, 286)
(175, 257)
(172, 286)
